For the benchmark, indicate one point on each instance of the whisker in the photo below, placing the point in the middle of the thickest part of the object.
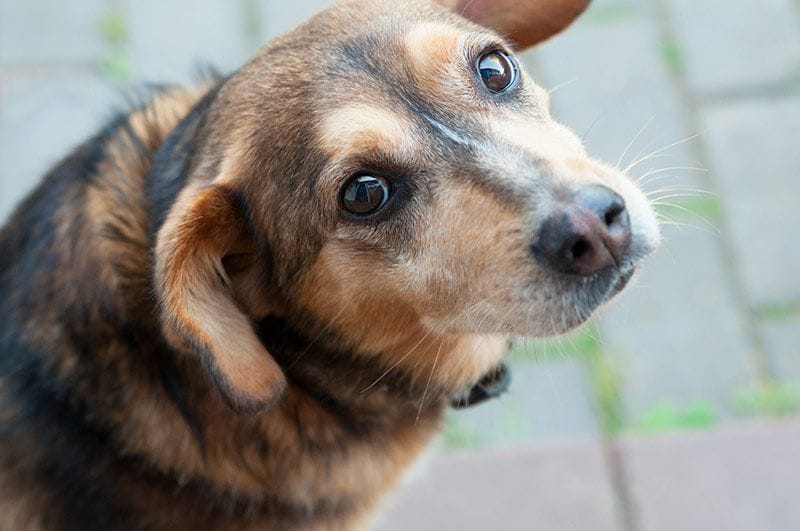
(414, 348)
(660, 151)
(633, 141)
(317, 338)
(395, 364)
(688, 211)
(428, 383)
(562, 85)
(585, 135)
(671, 189)
(675, 195)
(642, 178)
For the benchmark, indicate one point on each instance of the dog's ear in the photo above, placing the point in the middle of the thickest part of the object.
(199, 312)
(524, 22)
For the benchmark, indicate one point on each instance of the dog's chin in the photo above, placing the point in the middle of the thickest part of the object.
(591, 297)
(579, 298)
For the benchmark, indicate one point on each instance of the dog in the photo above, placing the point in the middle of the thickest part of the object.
(248, 303)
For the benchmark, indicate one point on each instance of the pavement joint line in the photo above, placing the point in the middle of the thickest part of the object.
(616, 467)
(626, 511)
(691, 106)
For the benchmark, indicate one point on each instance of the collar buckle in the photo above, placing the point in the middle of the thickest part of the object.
(492, 385)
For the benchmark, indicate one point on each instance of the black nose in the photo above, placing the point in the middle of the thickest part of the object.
(587, 235)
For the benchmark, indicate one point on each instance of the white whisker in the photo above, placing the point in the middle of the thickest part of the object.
(633, 141)
(660, 151)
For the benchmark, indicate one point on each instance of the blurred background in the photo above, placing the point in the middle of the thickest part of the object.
(677, 407)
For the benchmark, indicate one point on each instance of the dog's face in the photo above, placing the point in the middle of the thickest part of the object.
(405, 174)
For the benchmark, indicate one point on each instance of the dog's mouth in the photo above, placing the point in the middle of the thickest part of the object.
(623, 278)
(602, 288)
(583, 296)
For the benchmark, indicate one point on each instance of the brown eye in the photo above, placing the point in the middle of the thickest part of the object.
(365, 195)
(498, 71)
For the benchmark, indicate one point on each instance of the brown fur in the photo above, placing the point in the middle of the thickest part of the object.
(196, 336)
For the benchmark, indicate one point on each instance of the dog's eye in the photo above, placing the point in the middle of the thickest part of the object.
(498, 71)
(365, 194)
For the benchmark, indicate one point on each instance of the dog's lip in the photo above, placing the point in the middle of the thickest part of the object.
(622, 281)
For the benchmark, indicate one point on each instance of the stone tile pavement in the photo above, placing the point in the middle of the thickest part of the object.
(595, 432)
(739, 478)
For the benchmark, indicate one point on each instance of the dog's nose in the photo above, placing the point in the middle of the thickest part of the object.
(587, 235)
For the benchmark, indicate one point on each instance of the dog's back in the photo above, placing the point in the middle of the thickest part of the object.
(78, 330)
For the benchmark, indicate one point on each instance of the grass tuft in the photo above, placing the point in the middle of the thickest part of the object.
(462, 435)
(672, 55)
(668, 416)
(772, 400)
(777, 312)
(117, 63)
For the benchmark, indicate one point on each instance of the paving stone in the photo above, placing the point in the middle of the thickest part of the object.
(47, 32)
(547, 399)
(559, 487)
(171, 41)
(44, 114)
(676, 333)
(616, 83)
(754, 153)
(729, 44)
(782, 342)
(279, 17)
(743, 477)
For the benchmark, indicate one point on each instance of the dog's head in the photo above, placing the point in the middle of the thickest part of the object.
(389, 175)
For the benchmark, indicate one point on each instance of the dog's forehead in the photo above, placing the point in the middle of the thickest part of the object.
(401, 74)
(386, 40)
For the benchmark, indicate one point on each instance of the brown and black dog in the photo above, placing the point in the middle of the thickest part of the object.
(246, 305)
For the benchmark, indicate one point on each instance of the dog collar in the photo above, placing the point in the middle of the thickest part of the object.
(492, 385)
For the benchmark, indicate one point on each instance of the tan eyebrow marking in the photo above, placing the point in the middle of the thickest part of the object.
(431, 42)
(433, 52)
(363, 129)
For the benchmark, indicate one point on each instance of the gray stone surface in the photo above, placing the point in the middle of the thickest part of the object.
(677, 334)
(546, 400)
(47, 32)
(754, 153)
(782, 342)
(43, 114)
(741, 478)
(558, 487)
(731, 44)
(616, 93)
(171, 41)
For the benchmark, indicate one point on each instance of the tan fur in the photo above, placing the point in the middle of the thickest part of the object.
(366, 129)
(197, 301)
(221, 342)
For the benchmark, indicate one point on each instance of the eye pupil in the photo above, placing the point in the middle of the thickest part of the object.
(365, 194)
(497, 70)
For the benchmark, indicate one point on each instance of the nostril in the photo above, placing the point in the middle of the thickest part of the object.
(589, 234)
(613, 214)
(580, 249)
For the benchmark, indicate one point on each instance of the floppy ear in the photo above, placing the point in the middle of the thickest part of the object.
(197, 305)
(524, 22)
